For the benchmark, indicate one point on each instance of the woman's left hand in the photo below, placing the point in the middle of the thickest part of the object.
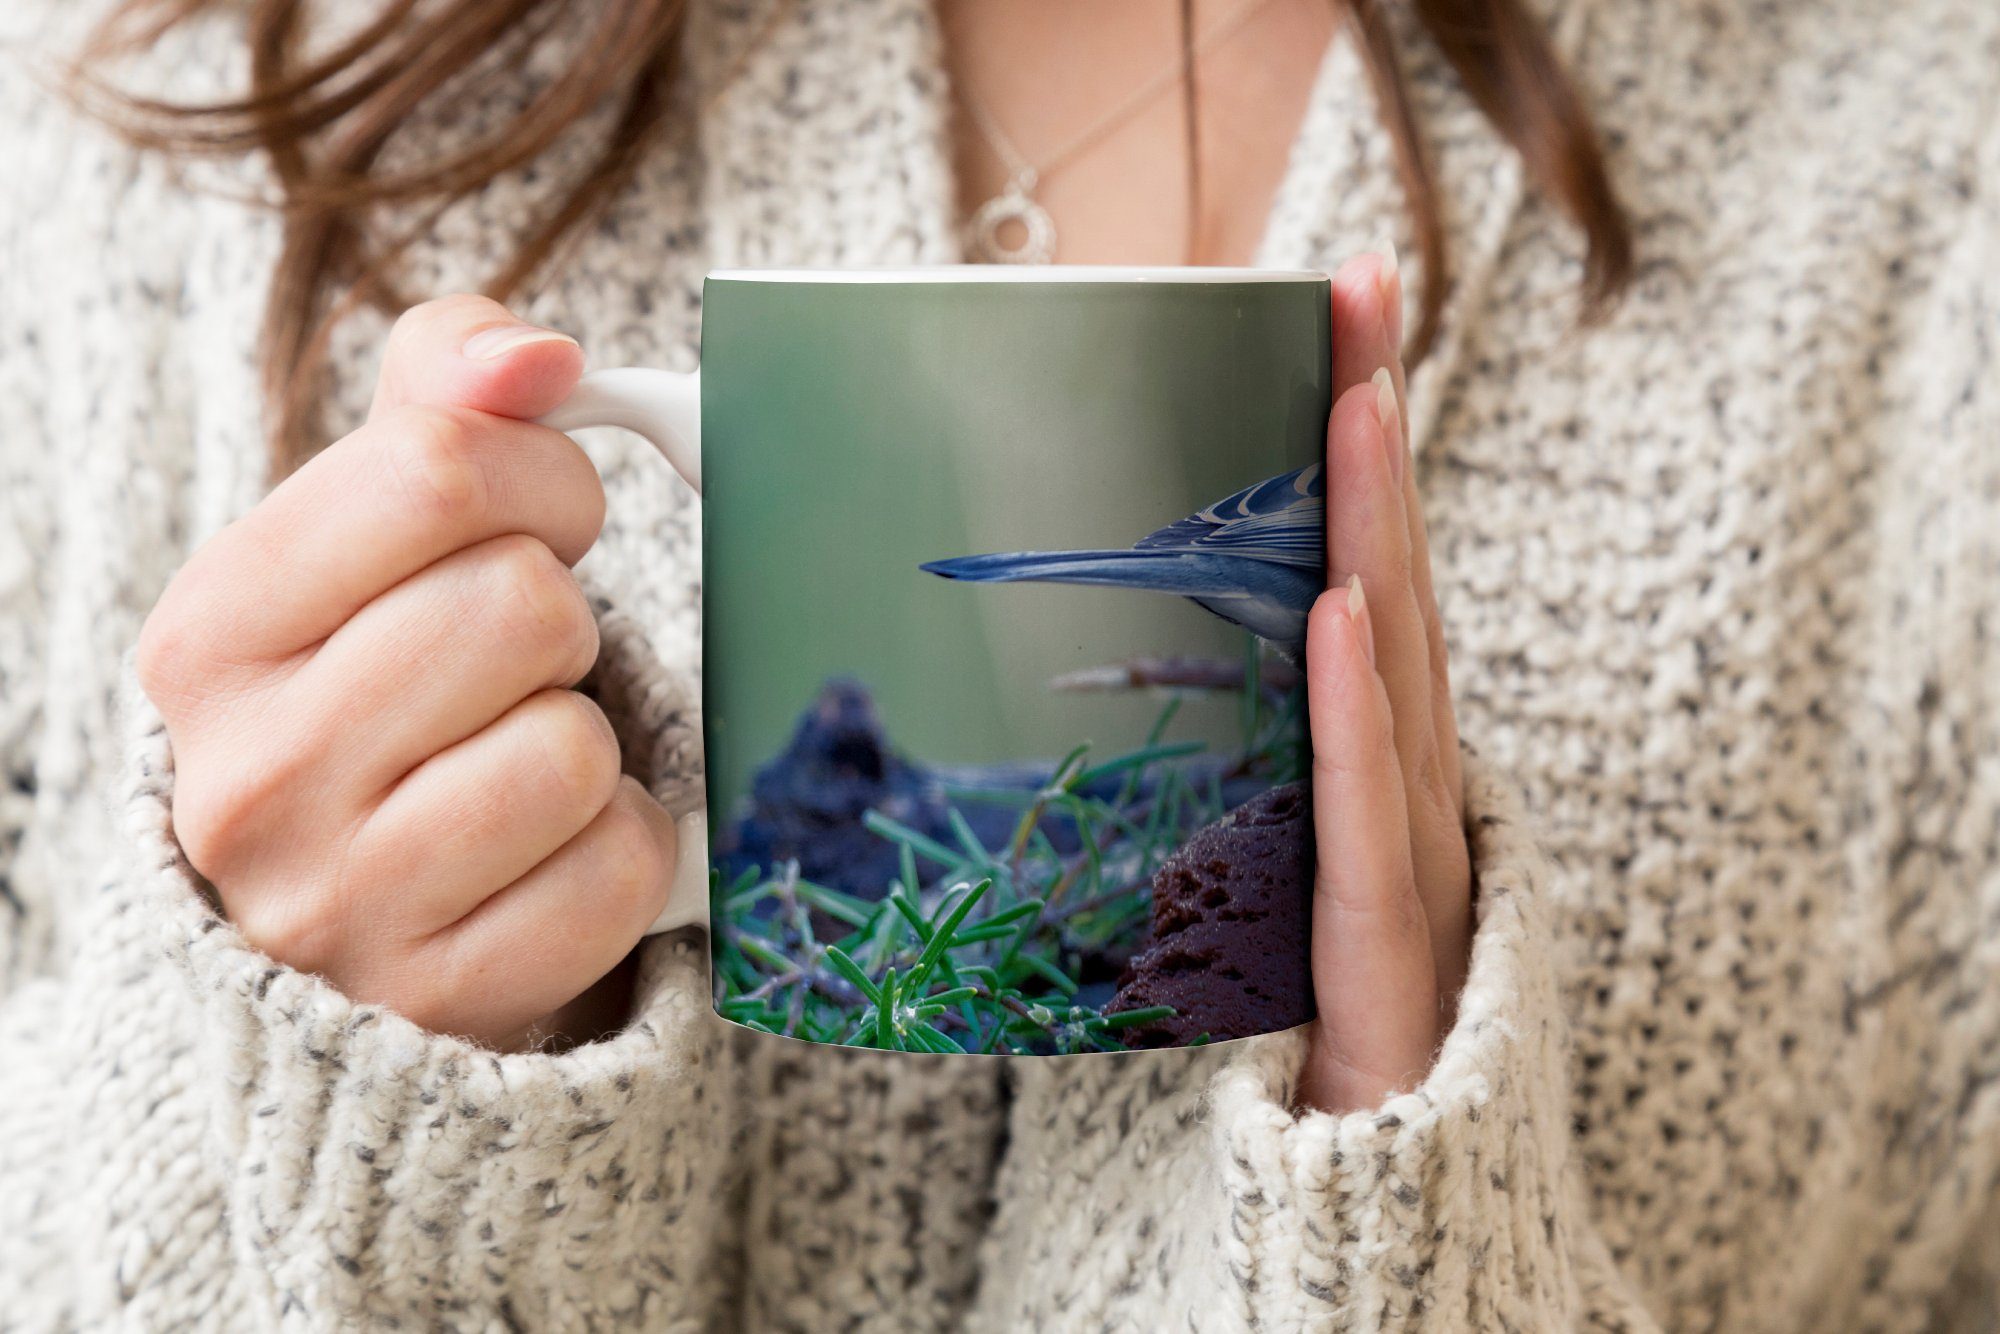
(1392, 897)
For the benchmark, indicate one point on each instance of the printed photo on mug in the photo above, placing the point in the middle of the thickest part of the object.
(1005, 598)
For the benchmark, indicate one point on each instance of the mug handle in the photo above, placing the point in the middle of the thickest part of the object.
(665, 408)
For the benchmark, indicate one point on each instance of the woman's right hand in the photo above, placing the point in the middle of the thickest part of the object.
(380, 763)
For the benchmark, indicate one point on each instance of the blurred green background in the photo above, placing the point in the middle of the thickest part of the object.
(852, 430)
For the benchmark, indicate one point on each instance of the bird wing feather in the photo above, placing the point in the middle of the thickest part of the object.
(1281, 519)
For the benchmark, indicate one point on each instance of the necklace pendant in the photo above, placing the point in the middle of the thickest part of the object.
(1014, 205)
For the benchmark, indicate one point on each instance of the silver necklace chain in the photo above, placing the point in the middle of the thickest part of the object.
(1016, 202)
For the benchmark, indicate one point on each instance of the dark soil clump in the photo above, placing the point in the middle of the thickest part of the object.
(1229, 947)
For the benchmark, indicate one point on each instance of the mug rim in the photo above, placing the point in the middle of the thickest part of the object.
(1188, 275)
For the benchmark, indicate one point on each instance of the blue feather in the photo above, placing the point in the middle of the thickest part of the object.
(1256, 559)
(1282, 519)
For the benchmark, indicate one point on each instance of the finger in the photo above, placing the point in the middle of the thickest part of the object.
(1368, 535)
(471, 352)
(1368, 329)
(1369, 303)
(1367, 320)
(1374, 979)
(1444, 721)
(438, 657)
(1444, 718)
(435, 469)
(411, 487)
(546, 938)
(1439, 833)
(481, 814)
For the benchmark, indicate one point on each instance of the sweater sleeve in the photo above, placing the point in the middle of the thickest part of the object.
(27, 502)
(194, 1135)
(24, 506)
(1141, 1187)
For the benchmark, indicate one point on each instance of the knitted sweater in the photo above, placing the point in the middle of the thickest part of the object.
(1720, 583)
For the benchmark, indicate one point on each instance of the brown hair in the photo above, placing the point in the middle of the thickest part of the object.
(323, 122)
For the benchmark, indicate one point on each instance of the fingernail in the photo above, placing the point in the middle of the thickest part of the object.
(1391, 412)
(1357, 616)
(1389, 282)
(492, 344)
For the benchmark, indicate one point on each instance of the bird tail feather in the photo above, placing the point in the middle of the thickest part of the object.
(1179, 572)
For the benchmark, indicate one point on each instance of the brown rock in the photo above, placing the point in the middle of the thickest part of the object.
(1230, 948)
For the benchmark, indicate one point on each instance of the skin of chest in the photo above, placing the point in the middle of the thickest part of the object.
(1047, 73)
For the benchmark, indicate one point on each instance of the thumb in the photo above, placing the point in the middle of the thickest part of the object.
(471, 352)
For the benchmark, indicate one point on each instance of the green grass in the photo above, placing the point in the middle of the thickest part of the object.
(984, 955)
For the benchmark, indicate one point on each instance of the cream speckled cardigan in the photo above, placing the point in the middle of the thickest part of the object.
(1720, 584)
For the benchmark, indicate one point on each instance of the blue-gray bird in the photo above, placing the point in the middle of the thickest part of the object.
(1256, 559)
